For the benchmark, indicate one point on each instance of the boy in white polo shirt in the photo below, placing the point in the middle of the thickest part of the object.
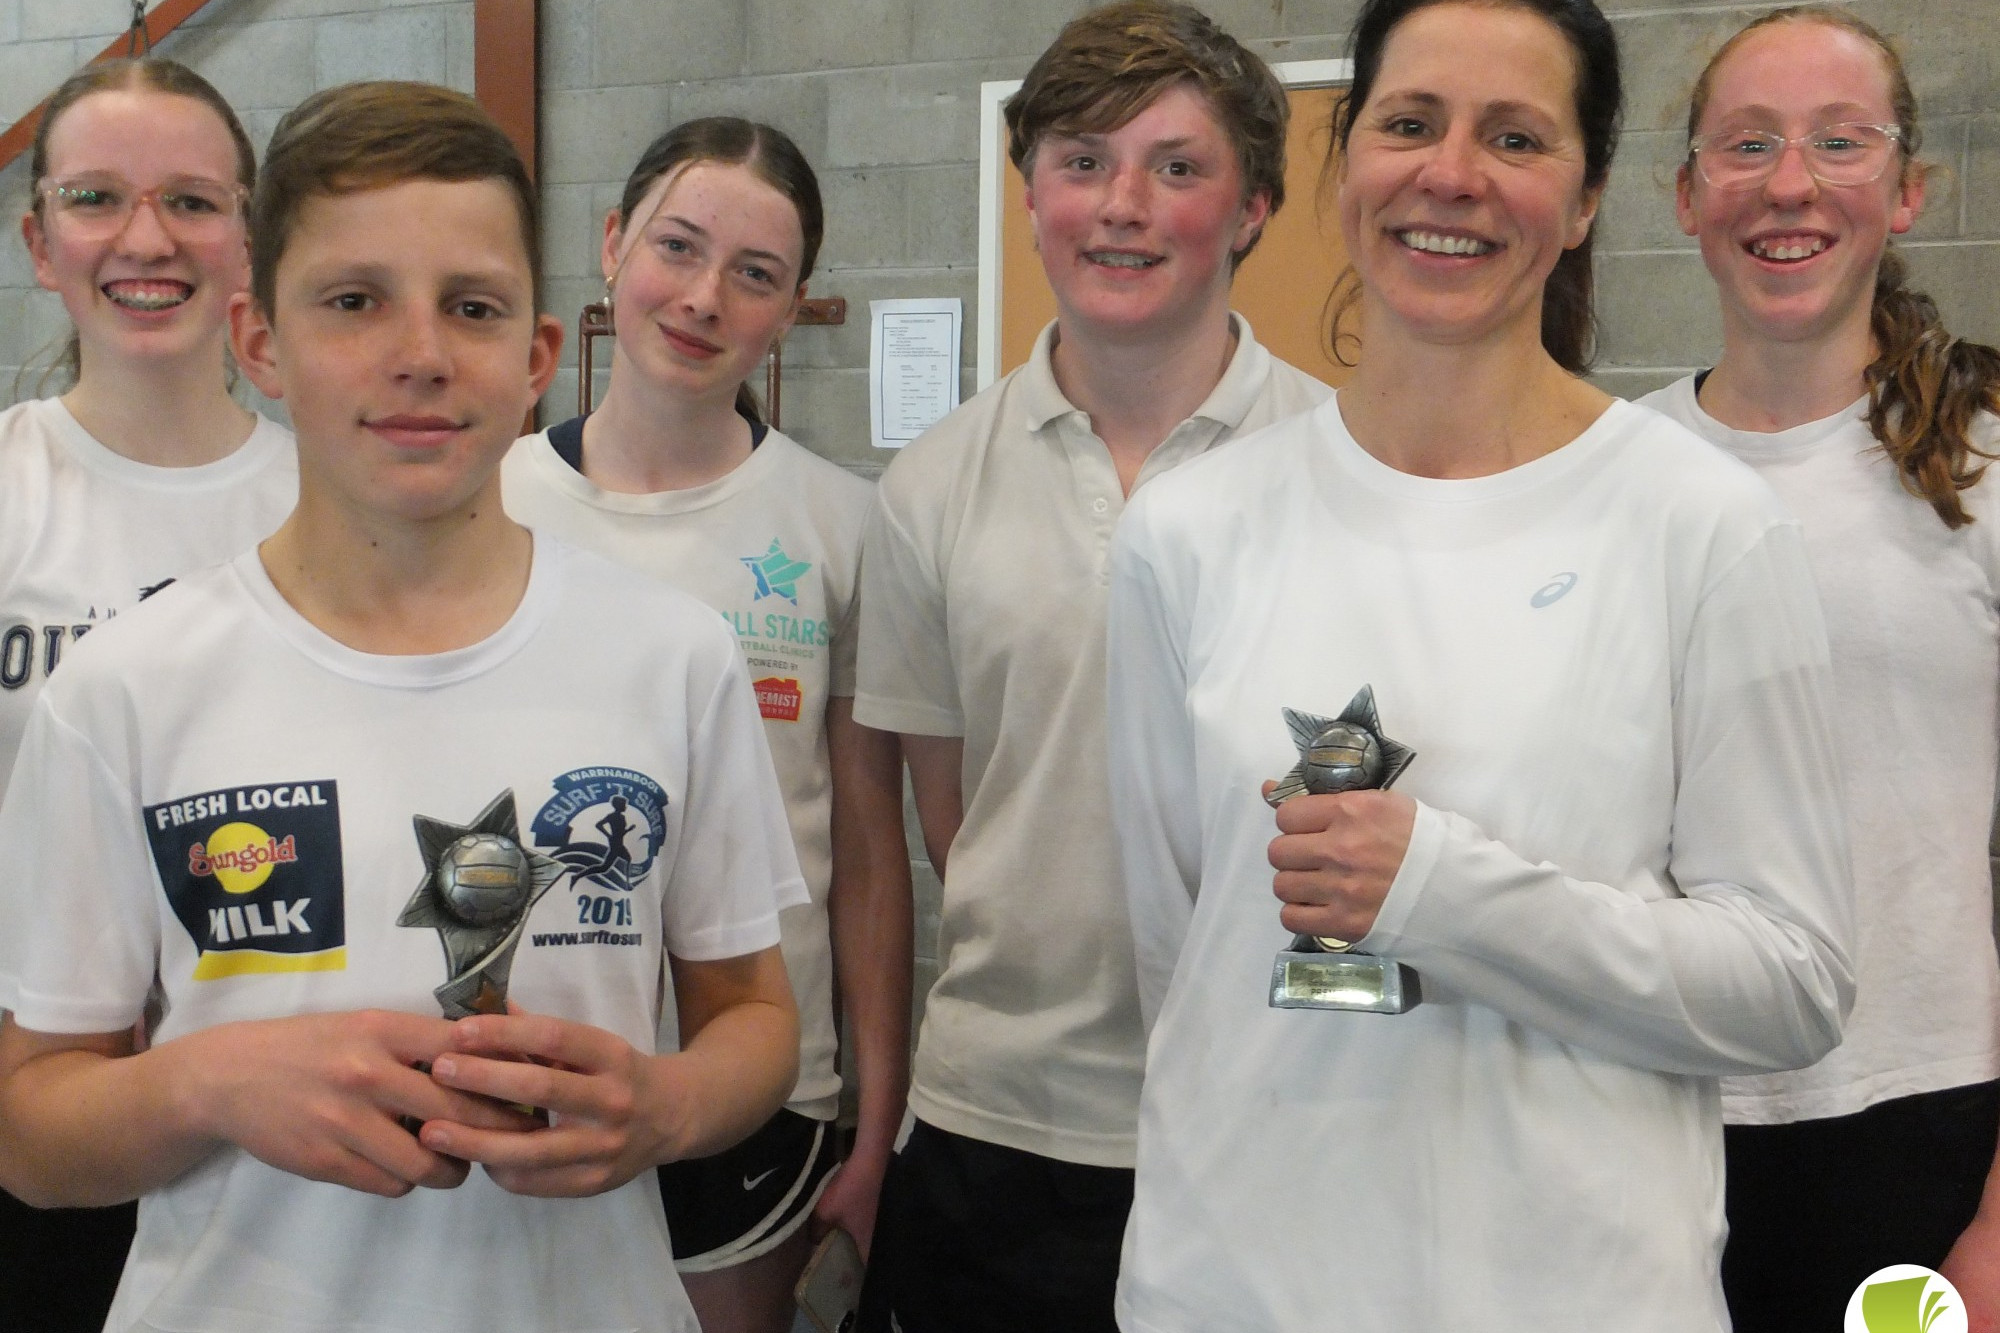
(1153, 147)
(250, 811)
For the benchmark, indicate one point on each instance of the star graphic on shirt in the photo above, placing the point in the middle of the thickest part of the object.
(777, 574)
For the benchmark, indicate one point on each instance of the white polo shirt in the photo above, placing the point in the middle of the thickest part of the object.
(983, 599)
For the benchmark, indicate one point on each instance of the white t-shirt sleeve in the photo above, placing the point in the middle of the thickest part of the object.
(736, 867)
(1749, 971)
(840, 678)
(1154, 798)
(905, 678)
(79, 920)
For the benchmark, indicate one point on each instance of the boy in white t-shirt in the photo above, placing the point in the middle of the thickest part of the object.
(232, 800)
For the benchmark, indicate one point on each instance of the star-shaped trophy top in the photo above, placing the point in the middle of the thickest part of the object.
(479, 883)
(1345, 753)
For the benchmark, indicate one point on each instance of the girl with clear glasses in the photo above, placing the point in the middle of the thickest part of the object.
(143, 469)
(1842, 388)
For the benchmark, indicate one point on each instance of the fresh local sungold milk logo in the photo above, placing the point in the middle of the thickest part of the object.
(1904, 1298)
(241, 856)
(254, 875)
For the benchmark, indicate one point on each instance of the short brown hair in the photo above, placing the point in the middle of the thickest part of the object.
(367, 136)
(1112, 63)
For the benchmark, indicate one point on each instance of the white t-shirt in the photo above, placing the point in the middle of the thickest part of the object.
(1627, 875)
(214, 722)
(775, 546)
(86, 532)
(1913, 617)
(982, 616)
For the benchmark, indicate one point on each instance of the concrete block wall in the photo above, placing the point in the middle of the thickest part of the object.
(883, 97)
(264, 55)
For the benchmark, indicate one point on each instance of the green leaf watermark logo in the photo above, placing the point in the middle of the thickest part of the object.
(1904, 1298)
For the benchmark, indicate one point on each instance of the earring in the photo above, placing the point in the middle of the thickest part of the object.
(607, 296)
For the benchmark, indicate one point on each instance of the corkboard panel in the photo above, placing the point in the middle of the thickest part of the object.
(1281, 289)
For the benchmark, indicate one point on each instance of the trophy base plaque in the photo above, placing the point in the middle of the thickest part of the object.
(1340, 754)
(1357, 982)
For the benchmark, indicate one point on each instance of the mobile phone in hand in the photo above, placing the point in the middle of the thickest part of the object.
(829, 1289)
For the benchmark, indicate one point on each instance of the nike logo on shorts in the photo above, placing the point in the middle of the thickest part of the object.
(752, 1182)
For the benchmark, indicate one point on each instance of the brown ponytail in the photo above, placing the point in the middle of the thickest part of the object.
(1924, 389)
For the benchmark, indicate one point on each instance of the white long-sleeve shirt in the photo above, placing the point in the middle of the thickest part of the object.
(1628, 875)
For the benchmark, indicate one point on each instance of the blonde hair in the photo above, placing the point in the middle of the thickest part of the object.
(145, 73)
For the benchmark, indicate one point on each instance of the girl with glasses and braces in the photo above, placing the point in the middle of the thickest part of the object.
(1841, 387)
(144, 469)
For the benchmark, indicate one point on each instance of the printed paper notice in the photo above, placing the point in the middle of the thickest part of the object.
(912, 366)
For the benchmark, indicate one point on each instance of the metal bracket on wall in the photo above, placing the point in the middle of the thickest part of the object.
(146, 29)
(596, 322)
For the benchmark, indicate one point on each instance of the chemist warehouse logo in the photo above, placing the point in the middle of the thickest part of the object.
(254, 875)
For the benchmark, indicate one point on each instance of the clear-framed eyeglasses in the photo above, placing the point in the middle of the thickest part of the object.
(97, 206)
(1853, 152)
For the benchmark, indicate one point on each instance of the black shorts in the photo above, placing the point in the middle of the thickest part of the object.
(1816, 1206)
(972, 1237)
(728, 1209)
(60, 1266)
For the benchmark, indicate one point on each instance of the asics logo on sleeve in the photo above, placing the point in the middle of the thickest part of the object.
(1553, 590)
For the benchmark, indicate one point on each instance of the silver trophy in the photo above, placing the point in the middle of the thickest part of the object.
(1345, 753)
(479, 884)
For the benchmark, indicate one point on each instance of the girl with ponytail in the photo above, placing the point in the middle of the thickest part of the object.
(1842, 388)
(678, 474)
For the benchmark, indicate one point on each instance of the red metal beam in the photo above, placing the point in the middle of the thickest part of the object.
(504, 77)
(164, 18)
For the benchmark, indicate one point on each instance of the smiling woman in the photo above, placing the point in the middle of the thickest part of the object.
(1522, 136)
(1600, 640)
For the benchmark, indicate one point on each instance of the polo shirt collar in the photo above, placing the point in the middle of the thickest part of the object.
(1226, 405)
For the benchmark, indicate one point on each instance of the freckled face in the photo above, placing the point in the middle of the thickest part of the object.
(706, 278)
(1136, 226)
(1792, 257)
(1463, 179)
(141, 293)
